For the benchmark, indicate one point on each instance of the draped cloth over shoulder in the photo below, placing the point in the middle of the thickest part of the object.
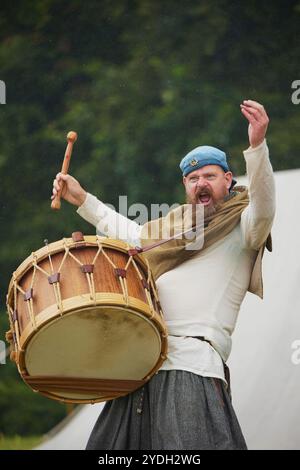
(214, 227)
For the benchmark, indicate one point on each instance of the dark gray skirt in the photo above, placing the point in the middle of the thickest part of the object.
(175, 410)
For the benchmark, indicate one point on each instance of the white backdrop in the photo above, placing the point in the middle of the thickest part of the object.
(265, 381)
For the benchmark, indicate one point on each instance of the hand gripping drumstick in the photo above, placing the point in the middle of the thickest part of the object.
(71, 138)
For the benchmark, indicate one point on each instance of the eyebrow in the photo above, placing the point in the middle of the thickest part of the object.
(208, 173)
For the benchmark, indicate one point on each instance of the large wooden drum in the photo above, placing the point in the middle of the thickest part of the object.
(86, 323)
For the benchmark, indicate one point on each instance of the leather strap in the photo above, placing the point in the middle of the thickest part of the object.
(139, 249)
(225, 366)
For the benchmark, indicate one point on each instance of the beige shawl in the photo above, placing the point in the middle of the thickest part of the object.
(215, 226)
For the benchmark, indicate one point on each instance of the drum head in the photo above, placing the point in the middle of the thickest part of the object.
(101, 342)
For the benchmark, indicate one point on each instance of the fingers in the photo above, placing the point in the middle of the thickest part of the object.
(254, 104)
(56, 187)
(61, 176)
(256, 109)
(57, 184)
(254, 112)
(248, 115)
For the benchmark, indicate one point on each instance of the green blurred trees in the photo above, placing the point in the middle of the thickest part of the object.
(23, 412)
(142, 82)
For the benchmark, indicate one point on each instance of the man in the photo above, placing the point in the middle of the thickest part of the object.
(187, 404)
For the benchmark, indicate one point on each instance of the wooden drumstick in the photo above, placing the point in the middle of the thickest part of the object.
(71, 138)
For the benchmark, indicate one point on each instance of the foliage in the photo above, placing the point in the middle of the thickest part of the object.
(23, 412)
(19, 442)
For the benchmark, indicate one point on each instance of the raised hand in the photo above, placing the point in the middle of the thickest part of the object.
(258, 121)
(71, 191)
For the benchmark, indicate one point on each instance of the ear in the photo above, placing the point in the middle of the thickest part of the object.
(184, 181)
(228, 177)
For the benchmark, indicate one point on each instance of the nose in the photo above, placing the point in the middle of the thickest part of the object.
(202, 183)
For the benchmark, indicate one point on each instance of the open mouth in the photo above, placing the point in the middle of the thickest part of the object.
(204, 198)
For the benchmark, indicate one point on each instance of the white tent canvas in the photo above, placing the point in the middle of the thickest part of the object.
(264, 363)
(265, 367)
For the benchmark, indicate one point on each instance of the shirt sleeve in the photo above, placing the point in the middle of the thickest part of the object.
(108, 222)
(257, 218)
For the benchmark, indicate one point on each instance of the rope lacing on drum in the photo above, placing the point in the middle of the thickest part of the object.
(89, 274)
(148, 285)
(14, 326)
(55, 284)
(13, 320)
(122, 280)
(145, 284)
(28, 297)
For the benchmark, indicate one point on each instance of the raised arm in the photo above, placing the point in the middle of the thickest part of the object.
(109, 222)
(257, 218)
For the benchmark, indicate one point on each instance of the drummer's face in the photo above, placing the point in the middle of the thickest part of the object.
(207, 185)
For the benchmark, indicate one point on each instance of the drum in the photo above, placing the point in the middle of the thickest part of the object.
(86, 323)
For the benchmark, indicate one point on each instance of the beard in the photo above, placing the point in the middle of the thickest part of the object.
(209, 211)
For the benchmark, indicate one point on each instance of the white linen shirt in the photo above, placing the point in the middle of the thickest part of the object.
(202, 296)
